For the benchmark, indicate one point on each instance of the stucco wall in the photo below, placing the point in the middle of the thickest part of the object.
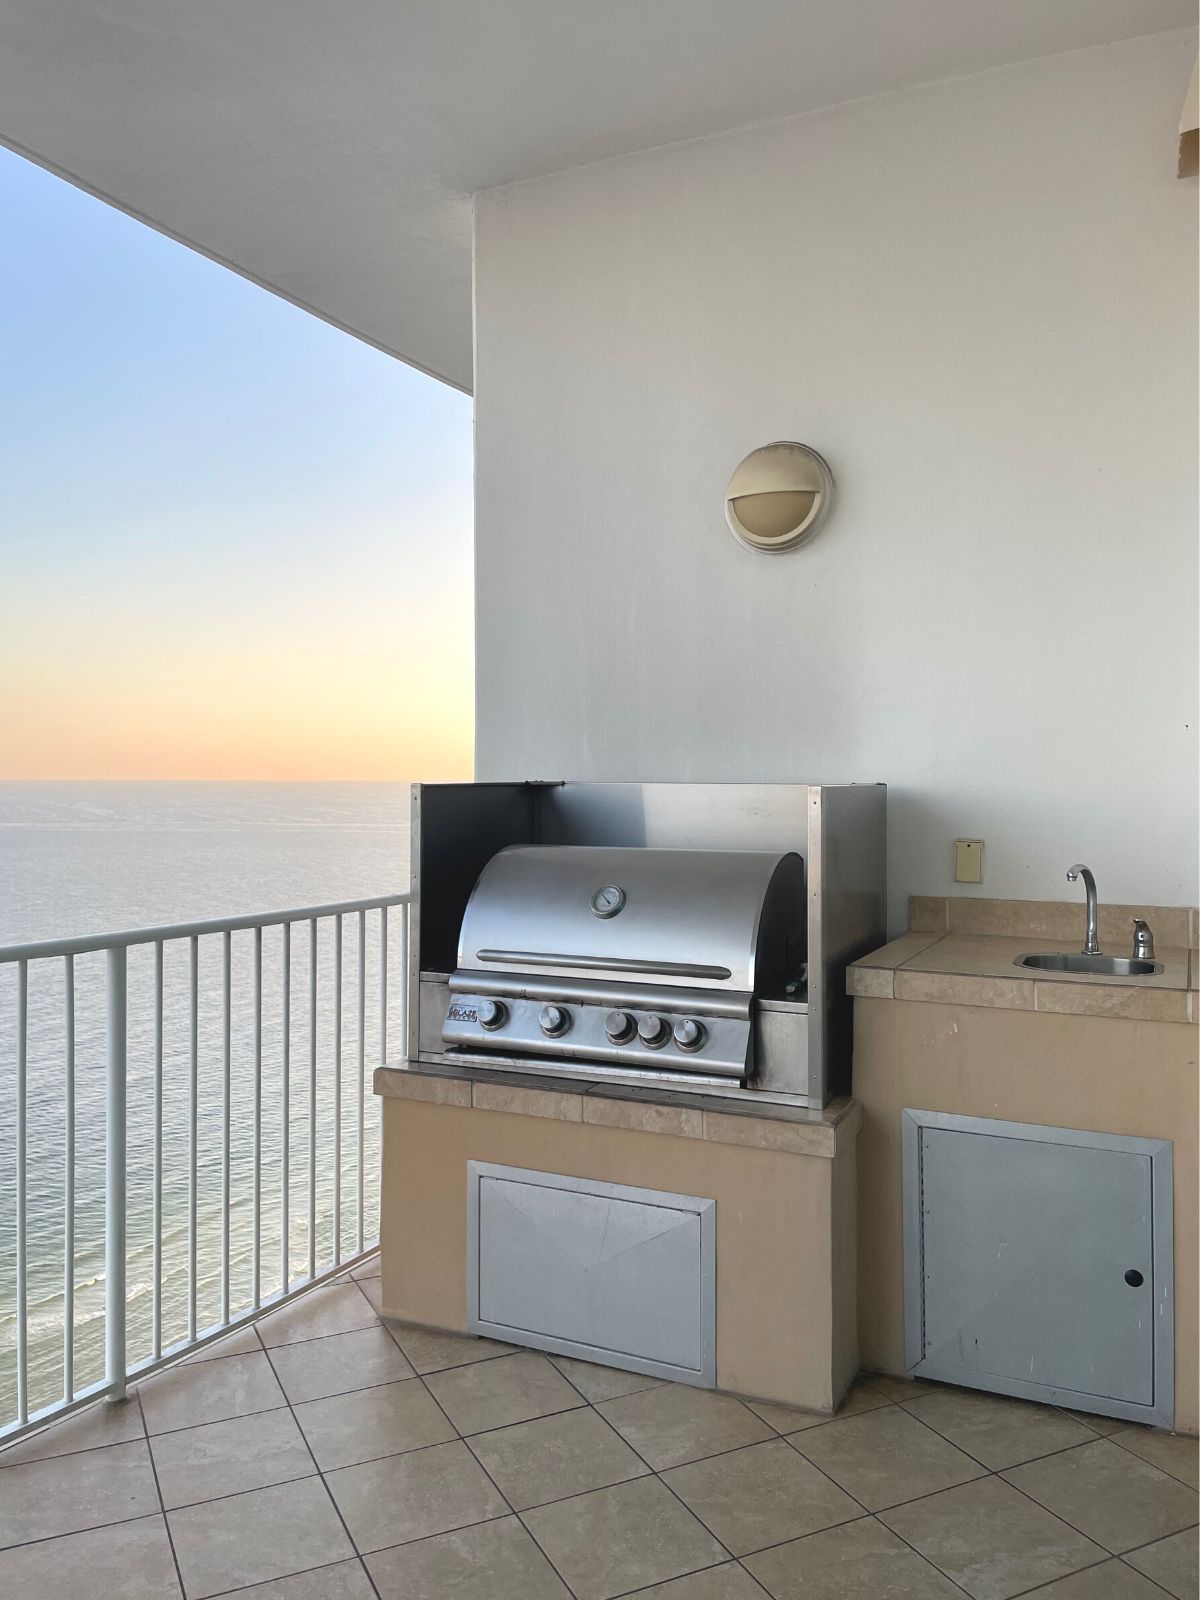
(978, 301)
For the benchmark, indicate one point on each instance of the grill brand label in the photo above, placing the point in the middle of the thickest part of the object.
(459, 1013)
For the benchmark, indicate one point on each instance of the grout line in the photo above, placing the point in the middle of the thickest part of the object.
(1041, 1588)
(1115, 1438)
(162, 1505)
(922, 1557)
(264, 1583)
(329, 1493)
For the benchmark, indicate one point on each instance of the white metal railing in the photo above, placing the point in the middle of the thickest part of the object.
(215, 1057)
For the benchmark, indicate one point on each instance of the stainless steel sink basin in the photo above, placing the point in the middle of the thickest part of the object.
(1107, 966)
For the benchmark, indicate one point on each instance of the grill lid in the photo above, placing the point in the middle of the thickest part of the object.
(711, 919)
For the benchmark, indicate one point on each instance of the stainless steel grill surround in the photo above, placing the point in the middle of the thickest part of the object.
(657, 901)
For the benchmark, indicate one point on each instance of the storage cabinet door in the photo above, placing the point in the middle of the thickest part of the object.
(1036, 1262)
(604, 1271)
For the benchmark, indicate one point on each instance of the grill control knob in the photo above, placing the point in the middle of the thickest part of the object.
(619, 1026)
(689, 1034)
(554, 1020)
(652, 1031)
(492, 1014)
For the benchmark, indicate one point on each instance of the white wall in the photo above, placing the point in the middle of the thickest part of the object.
(977, 300)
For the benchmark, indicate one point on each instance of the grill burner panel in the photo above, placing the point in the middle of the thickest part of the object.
(722, 1051)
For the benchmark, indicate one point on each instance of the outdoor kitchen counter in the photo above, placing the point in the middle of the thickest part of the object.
(764, 1125)
(981, 970)
(944, 1023)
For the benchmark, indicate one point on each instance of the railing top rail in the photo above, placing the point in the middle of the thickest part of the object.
(185, 930)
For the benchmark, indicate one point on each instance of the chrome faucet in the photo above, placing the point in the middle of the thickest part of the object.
(1091, 942)
(1143, 940)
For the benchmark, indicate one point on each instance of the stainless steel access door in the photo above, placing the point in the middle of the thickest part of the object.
(611, 1273)
(1035, 1262)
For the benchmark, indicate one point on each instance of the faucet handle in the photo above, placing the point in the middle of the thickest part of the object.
(1143, 940)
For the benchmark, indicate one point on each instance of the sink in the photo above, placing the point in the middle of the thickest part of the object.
(1107, 966)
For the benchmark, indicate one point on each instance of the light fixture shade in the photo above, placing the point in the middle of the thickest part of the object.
(779, 497)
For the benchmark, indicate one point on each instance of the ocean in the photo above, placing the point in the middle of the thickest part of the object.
(82, 858)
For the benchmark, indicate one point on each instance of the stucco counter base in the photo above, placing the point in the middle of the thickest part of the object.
(783, 1180)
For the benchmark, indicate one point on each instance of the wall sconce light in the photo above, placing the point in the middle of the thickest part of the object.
(779, 497)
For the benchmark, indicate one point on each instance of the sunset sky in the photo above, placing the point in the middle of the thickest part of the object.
(234, 542)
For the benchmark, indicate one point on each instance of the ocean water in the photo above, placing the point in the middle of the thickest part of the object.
(81, 858)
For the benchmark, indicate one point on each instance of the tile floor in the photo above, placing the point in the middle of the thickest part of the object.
(327, 1455)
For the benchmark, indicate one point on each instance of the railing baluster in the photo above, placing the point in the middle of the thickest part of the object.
(22, 1184)
(156, 1270)
(193, 1123)
(256, 1242)
(285, 1110)
(337, 1090)
(383, 985)
(226, 1066)
(69, 1183)
(114, 1215)
(362, 1062)
(312, 1097)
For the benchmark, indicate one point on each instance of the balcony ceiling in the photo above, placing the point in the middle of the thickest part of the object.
(328, 149)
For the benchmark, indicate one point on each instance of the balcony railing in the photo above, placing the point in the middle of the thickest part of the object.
(185, 1111)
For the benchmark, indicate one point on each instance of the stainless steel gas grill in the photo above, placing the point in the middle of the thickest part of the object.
(635, 959)
(674, 936)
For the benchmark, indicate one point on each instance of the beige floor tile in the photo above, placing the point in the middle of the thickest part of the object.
(790, 1419)
(242, 1343)
(223, 1458)
(331, 1308)
(761, 1495)
(115, 1422)
(885, 1457)
(414, 1495)
(728, 1582)
(676, 1423)
(556, 1456)
(1100, 1425)
(898, 1389)
(995, 1430)
(628, 1537)
(603, 1383)
(787, 1419)
(344, 1581)
(368, 1268)
(1169, 1452)
(131, 1560)
(209, 1391)
(866, 1396)
(1172, 1563)
(1109, 1494)
(493, 1394)
(373, 1289)
(990, 1539)
(65, 1494)
(344, 1429)
(339, 1364)
(492, 1561)
(249, 1538)
(1111, 1580)
(431, 1351)
(858, 1561)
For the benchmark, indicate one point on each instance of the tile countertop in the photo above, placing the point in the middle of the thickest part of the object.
(957, 969)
